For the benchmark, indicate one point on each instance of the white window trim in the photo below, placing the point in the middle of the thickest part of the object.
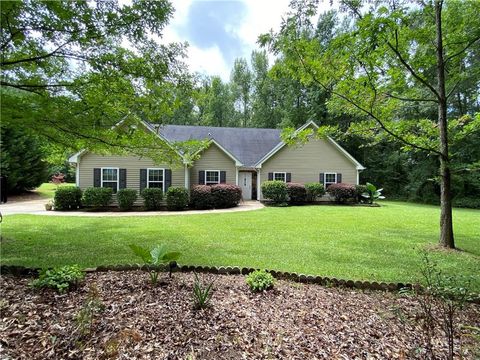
(110, 168)
(217, 171)
(329, 183)
(148, 177)
(280, 172)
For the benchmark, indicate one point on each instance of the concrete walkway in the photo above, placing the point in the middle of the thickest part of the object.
(37, 207)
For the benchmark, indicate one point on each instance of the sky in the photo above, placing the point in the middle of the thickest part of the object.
(218, 31)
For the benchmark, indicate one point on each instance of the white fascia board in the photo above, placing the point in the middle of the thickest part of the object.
(75, 158)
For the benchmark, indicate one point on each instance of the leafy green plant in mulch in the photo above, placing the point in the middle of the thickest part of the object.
(202, 294)
(60, 279)
(155, 258)
(260, 280)
(372, 193)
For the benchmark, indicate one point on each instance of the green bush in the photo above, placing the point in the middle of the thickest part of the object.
(297, 194)
(201, 197)
(342, 192)
(276, 191)
(260, 280)
(471, 203)
(359, 190)
(60, 279)
(177, 198)
(97, 197)
(314, 191)
(152, 198)
(225, 195)
(126, 198)
(67, 198)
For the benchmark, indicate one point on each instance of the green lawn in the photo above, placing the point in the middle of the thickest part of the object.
(346, 242)
(47, 190)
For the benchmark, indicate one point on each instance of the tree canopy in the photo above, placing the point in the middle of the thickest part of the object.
(73, 69)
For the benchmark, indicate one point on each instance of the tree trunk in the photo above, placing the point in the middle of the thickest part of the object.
(446, 223)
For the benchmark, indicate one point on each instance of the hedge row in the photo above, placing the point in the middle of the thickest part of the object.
(219, 196)
(280, 192)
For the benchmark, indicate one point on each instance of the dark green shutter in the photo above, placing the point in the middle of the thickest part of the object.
(123, 179)
(322, 178)
(201, 177)
(143, 179)
(339, 178)
(97, 177)
(288, 177)
(270, 176)
(168, 179)
(223, 177)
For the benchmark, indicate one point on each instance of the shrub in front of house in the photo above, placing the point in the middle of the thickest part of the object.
(297, 194)
(225, 195)
(97, 197)
(276, 191)
(126, 198)
(67, 198)
(359, 190)
(314, 191)
(152, 198)
(201, 197)
(342, 192)
(177, 198)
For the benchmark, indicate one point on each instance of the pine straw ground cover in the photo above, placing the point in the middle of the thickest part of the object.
(293, 321)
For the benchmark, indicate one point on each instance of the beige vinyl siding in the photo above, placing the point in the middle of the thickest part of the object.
(214, 158)
(306, 162)
(132, 164)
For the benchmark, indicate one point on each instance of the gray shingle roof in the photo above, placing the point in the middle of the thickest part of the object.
(248, 145)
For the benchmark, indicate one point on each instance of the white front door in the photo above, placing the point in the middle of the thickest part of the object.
(245, 182)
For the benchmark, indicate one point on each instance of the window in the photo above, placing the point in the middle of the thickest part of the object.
(155, 178)
(110, 178)
(212, 177)
(330, 178)
(280, 176)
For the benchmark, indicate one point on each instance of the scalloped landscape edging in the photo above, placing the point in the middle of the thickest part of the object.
(232, 270)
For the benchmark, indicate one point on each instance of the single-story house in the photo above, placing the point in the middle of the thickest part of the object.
(243, 156)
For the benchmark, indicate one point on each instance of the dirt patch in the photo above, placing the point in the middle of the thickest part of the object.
(293, 321)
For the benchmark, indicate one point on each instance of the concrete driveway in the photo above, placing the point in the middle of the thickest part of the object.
(37, 207)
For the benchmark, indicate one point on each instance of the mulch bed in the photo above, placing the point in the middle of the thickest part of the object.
(293, 321)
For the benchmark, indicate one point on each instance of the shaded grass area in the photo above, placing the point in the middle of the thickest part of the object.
(364, 243)
(47, 190)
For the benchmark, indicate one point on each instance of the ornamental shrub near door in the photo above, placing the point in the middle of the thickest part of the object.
(225, 195)
(276, 191)
(201, 197)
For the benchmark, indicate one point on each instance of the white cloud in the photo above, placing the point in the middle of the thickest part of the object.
(261, 16)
